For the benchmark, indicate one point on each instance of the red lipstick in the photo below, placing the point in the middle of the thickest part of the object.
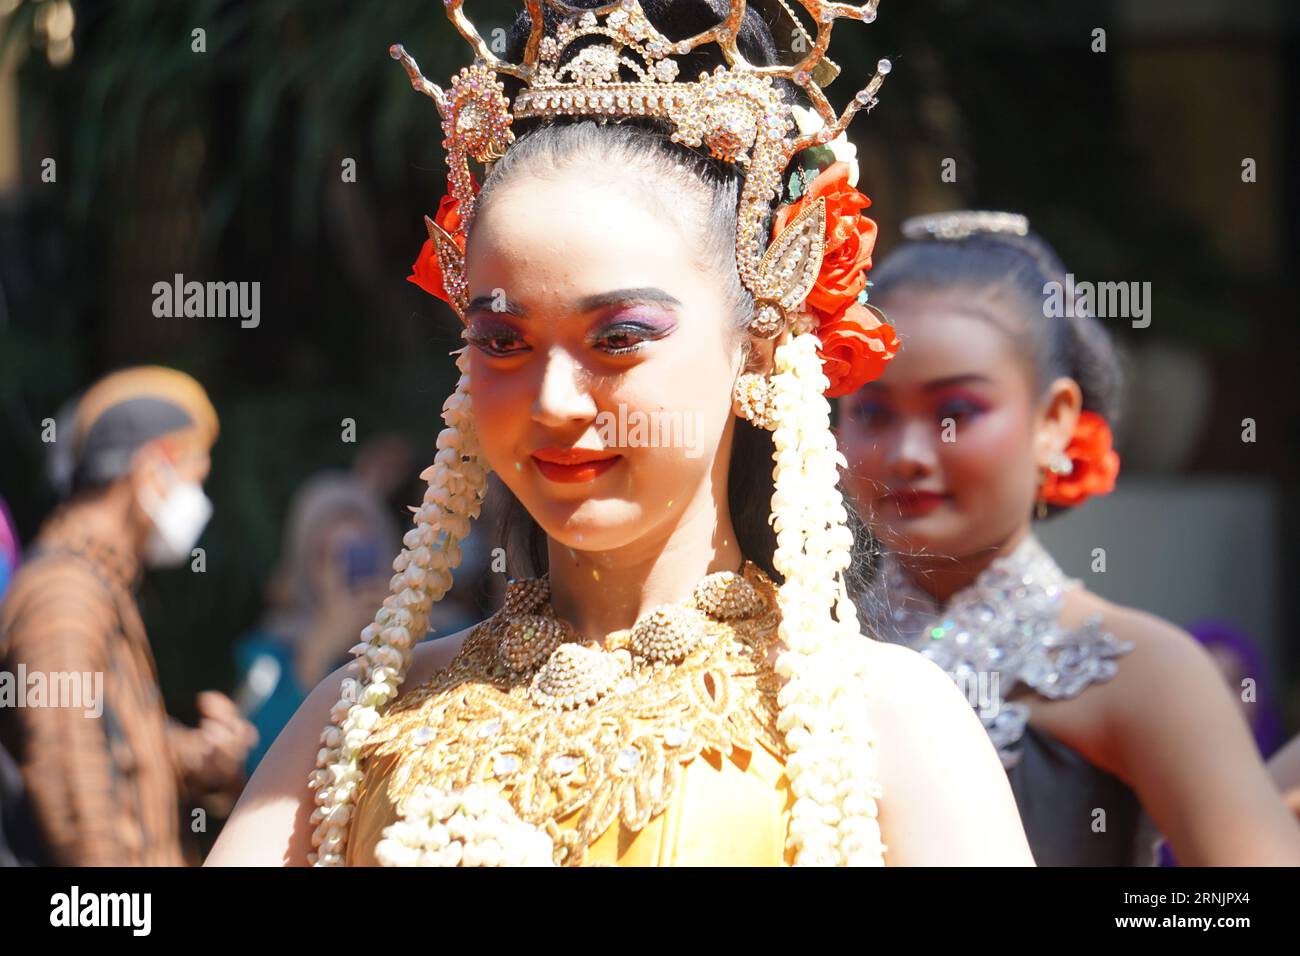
(913, 504)
(573, 465)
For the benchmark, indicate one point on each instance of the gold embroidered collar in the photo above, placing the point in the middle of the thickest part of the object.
(566, 727)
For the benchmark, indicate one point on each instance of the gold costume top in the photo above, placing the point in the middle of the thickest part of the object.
(659, 749)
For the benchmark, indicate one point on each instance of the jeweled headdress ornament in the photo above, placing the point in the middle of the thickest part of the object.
(964, 223)
(736, 113)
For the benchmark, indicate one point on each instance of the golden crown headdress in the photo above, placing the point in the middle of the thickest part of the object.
(735, 113)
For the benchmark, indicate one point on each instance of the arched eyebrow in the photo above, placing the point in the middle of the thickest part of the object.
(934, 385)
(503, 304)
(973, 378)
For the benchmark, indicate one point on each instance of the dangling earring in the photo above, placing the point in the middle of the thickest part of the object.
(1058, 463)
(754, 396)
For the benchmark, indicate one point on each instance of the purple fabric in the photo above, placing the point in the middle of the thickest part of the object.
(9, 551)
(1267, 724)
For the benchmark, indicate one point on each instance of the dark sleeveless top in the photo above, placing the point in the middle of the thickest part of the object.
(1059, 794)
(1074, 813)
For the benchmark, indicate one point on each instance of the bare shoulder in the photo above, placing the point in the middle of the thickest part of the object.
(270, 823)
(1176, 732)
(911, 696)
(906, 683)
(918, 715)
(1164, 685)
(946, 798)
(1162, 654)
(1130, 624)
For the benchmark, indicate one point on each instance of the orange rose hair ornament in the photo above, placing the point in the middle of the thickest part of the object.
(1087, 467)
(856, 342)
(427, 270)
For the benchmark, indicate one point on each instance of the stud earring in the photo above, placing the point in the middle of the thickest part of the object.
(1059, 463)
(753, 395)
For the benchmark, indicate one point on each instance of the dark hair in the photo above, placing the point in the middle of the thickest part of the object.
(1072, 345)
(707, 208)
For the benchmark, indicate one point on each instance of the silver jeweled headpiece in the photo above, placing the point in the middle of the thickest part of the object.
(964, 224)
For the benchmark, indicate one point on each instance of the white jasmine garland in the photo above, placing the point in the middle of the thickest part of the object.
(457, 485)
(823, 704)
(468, 827)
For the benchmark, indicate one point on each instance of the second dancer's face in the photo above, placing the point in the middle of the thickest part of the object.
(941, 449)
(601, 360)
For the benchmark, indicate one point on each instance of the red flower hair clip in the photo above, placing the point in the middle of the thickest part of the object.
(856, 341)
(426, 272)
(1094, 465)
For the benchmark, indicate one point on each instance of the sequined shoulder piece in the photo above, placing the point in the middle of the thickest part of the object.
(1002, 631)
(571, 730)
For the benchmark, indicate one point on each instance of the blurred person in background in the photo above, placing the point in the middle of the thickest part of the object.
(995, 413)
(1239, 660)
(333, 573)
(9, 550)
(386, 465)
(15, 810)
(105, 777)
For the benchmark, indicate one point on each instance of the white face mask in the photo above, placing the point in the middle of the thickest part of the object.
(178, 517)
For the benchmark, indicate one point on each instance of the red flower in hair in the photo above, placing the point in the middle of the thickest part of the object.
(850, 240)
(856, 344)
(1096, 464)
(854, 349)
(425, 271)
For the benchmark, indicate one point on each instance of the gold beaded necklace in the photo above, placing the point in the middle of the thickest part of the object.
(566, 728)
(569, 670)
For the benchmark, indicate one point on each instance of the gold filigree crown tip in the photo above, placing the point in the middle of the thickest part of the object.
(632, 71)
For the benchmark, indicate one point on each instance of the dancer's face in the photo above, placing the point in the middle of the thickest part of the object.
(945, 449)
(594, 327)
